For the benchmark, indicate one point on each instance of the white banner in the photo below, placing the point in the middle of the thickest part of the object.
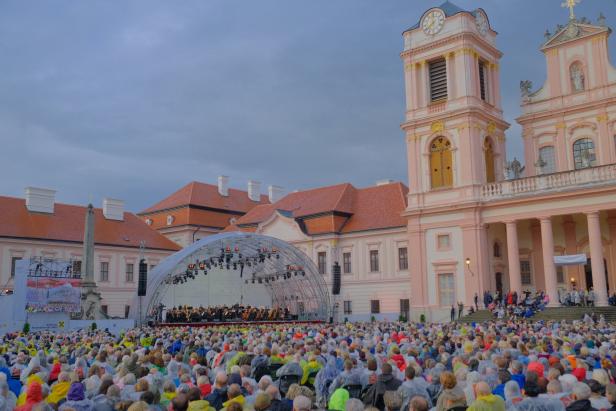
(573, 259)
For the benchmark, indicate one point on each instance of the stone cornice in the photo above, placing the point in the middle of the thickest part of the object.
(453, 114)
(564, 110)
(447, 40)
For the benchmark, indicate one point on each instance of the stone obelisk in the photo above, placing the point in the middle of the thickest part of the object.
(90, 297)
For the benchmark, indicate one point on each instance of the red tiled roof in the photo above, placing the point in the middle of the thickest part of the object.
(378, 207)
(67, 224)
(206, 195)
(368, 208)
(306, 203)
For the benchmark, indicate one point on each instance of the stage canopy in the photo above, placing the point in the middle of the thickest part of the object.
(287, 274)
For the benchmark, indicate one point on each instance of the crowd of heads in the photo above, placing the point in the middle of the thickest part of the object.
(496, 365)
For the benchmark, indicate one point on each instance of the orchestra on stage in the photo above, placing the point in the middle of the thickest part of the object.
(223, 313)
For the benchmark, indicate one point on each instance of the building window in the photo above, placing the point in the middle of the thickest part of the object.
(446, 289)
(443, 242)
(497, 250)
(346, 263)
(560, 274)
(13, 264)
(405, 308)
(483, 80)
(375, 306)
(322, 262)
(525, 272)
(547, 160)
(374, 261)
(347, 307)
(437, 70)
(104, 309)
(104, 271)
(441, 172)
(403, 259)
(126, 311)
(130, 273)
(77, 268)
(584, 153)
(488, 153)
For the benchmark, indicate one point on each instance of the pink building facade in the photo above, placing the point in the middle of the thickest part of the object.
(477, 222)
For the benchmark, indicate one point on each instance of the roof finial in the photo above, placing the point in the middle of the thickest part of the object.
(570, 4)
(601, 20)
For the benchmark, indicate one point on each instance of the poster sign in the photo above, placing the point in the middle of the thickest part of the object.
(51, 286)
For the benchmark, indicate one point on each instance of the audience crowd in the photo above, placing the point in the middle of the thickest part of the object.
(497, 365)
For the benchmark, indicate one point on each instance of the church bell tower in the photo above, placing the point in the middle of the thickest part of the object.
(454, 125)
(455, 135)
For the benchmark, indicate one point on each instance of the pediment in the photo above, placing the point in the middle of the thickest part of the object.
(281, 224)
(573, 31)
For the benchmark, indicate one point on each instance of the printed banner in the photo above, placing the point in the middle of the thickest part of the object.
(53, 295)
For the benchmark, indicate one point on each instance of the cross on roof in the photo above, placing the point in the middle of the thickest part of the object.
(570, 4)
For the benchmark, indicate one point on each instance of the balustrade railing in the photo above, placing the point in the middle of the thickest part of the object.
(565, 180)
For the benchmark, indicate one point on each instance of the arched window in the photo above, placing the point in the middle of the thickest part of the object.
(584, 153)
(546, 163)
(497, 250)
(488, 152)
(578, 80)
(441, 173)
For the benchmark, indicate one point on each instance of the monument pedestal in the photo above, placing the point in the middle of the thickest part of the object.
(90, 303)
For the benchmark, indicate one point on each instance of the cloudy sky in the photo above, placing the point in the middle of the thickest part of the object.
(133, 99)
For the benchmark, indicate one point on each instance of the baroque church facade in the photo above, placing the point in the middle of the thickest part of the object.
(477, 222)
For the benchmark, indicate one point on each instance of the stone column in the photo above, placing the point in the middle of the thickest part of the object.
(596, 257)
(549, 268)
(513, 257)
(88, 246)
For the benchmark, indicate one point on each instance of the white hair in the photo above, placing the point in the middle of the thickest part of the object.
(354, 405)
(581, 391)
(302, 403)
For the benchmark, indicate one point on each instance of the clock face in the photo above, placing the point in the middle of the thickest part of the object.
(482, 23)
(433, 22)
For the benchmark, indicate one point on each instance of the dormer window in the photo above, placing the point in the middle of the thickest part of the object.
(578, 79)
(437, 70)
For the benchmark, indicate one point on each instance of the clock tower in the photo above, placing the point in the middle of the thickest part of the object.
(455, 135)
